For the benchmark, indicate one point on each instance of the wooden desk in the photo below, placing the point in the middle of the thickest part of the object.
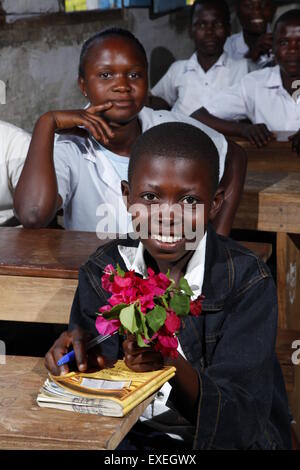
(24, 425)
(39, 270)
(271, 202)
(276, 156)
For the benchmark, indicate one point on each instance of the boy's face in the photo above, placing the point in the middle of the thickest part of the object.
(209, 30)
(287, 48)
(115, 70)
(254, 15)
(159, 181)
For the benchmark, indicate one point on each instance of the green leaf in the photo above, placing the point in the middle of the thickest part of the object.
(184, 285)
(120, 271)
(128, 320)
(117, 308)
(180, 303)
(141, 342)
(156, 318)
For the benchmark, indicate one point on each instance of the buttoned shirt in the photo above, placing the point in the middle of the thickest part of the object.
(89, 184)
(261, 98)
(14, 144)
(187, 87)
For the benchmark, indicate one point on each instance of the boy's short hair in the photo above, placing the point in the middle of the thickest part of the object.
(287, 17)
(221, 4)
(176, 139)
(123, 33)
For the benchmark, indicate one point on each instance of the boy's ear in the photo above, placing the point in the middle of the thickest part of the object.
(125, 193)
(81, 85)
(217, 203)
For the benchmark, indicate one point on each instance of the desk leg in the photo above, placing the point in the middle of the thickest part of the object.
(288, 280)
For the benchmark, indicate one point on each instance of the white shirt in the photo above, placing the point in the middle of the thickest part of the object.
(237, 49)
(260, 97)
(158, 414)
(187, 87)
(14, 144)
(90, 185)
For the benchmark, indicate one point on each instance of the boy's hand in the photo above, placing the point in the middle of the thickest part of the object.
(141, 359)
(262, 46)
(258, 134)
(295, 139)
(77, 338)
(88, 118)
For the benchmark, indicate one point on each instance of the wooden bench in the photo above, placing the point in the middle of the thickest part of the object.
(39, 272)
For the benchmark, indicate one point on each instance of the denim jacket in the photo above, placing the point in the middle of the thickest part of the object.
(242, 398)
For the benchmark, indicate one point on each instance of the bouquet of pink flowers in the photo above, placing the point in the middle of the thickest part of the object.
(150, 308)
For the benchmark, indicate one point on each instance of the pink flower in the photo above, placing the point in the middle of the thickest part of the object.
(123, 281)
(167, 345)
(172, 322)
(105, 308)
(107, 327)
(196, 306)
(147, 302)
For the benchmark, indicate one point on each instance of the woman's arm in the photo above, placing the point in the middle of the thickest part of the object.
(233, 184)
(36, 196)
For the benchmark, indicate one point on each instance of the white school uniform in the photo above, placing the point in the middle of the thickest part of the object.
(261, 98)
(237, 49)
(159, 414)
(187, 87)
(89, 184)
(14, 144)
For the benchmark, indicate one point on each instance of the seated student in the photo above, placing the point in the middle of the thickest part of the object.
(83, 169)
(14, 144)
(255, 40)
(189, 84)
(266, 96)
(228, 391)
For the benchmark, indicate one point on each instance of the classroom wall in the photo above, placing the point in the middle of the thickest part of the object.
(39, 60)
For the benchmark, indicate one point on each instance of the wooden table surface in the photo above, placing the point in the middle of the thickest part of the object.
(276, 156)
(24, 425)
(45, 252)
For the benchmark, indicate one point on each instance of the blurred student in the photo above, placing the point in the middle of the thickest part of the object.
(270, 98)
(189, 84)
(82, 170)
(255, 40)
(14, 144)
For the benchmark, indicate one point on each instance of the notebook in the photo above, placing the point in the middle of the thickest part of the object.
(108, 392)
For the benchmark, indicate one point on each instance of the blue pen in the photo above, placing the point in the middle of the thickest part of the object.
(70, 356)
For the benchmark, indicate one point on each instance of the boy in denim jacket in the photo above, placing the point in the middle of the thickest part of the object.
(228, 391)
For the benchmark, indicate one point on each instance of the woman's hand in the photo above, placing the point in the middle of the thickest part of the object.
(88, 118)
(141, 359)
(77, 338)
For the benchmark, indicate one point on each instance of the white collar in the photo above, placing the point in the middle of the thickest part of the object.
(193, 64)
(134, 260)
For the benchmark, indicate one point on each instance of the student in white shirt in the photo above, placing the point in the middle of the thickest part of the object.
(255, 40)
(189, 84)
(269, 97)
(14, 144)
(80, 171)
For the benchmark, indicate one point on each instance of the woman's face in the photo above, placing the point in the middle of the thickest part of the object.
(115, 71)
